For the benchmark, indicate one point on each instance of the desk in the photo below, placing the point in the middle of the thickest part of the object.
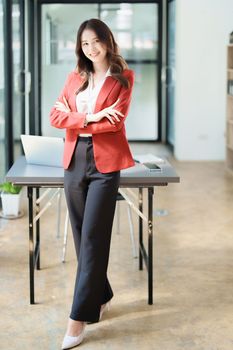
(36, 177)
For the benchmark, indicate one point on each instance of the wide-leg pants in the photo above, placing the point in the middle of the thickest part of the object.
(91, 200)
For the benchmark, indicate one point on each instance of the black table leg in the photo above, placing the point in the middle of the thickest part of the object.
(140, 207)
(31, 244)
(37, 250)
(150, 245)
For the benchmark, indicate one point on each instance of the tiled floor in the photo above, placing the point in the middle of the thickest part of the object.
(193, 274)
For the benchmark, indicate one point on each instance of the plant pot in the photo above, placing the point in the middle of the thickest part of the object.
(10, 204)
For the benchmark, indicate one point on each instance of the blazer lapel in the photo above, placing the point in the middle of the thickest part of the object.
(107, 87)
(77, 82)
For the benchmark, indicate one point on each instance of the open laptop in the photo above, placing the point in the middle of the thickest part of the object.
(43, 150)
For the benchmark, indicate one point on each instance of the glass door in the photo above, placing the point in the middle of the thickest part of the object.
(136, 29)
(18, 65)
(11, 96)
(170, 87)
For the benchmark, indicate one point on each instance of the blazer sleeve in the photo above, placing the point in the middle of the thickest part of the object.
(71, 120)
(104, 125)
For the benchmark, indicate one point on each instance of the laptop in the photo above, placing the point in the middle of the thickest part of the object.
(43, 150)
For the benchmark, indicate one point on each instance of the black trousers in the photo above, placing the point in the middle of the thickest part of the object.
(91, 200)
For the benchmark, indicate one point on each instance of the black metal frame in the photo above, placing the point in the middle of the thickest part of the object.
(22, 65)
(34, 30)
(36, 127)
(143, 255)
(8, 78)
(159, 88)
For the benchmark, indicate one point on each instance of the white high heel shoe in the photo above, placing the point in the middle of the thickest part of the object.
(104, 308)
(70, 342)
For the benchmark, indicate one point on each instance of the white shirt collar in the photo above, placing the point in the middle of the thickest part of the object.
(107, 74)
(99, 85)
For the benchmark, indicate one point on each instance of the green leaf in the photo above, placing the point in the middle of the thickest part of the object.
(8, 187)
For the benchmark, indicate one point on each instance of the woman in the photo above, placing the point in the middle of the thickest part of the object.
(92, 108)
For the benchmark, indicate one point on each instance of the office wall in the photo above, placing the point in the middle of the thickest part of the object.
(202, 34)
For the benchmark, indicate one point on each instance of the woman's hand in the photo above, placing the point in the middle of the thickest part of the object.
(62, 107)
(110, 113)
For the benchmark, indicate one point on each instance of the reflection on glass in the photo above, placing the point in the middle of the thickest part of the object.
(2, 119)
(17, 117)
(60, 23)
(134, 27)
(141, 123)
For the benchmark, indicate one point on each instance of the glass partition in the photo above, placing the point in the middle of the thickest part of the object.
(12, 144)
(135, 27)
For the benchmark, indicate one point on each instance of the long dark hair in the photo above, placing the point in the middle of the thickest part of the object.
(116, 61)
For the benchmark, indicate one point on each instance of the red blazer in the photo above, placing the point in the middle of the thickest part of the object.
(110, 146)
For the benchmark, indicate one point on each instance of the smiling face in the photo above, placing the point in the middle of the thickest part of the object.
(92, 47)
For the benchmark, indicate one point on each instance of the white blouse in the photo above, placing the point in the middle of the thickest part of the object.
(86, 99)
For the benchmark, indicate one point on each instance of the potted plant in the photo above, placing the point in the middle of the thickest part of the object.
(10, 195)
